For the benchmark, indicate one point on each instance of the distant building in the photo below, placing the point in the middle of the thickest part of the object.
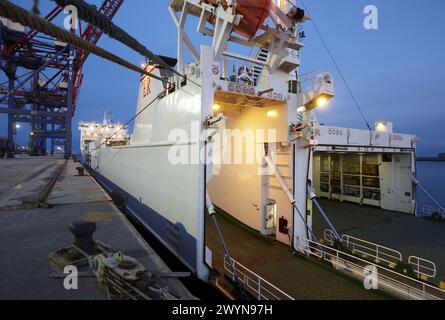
(440, 157)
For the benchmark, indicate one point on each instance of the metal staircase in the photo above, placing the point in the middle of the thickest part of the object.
(262, 55)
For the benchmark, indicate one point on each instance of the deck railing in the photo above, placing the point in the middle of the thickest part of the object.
(421, 267)
(387, 280)
(366, 248)
(256, 285)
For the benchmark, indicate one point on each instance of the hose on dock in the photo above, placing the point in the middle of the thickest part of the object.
(19, 15)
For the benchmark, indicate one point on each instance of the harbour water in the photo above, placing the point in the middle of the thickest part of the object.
(432, 177)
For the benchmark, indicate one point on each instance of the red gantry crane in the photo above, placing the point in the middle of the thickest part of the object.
(43, 80)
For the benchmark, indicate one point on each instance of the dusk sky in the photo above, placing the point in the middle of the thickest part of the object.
(396, 72)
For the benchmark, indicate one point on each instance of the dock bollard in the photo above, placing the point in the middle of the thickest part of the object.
(119, 200)
(80, 171)
(83, 236)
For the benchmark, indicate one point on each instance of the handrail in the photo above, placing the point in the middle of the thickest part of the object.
(329, 236)
(368, 248)
(423, 267)
(261, 288)
(372, 249)
(388, 280)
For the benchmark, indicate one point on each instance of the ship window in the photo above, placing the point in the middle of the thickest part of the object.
(386, 157)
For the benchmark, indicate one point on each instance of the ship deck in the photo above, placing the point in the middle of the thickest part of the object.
(306, 279)
(422, 237)
(298, 277)
(27, 236)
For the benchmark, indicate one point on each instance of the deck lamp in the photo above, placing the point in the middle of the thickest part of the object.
(319, 101)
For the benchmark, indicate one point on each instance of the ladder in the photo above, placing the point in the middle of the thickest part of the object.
(262, 55)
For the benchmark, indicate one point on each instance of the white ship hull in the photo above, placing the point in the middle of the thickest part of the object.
(164, 170)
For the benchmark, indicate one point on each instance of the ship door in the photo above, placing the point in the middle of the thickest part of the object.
(271, 216)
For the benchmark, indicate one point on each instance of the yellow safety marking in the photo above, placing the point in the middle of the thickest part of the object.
(442, 285)
(19, 186)
(98, 216)
(392, 265)
(90, 191)
(423, 278)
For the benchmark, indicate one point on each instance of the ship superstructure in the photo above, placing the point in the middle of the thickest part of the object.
(106, 133)
(236, 131)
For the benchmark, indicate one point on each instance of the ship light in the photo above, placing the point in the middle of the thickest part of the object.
(301, 109)
(216, 107)
(322, 102)
(18, 126)
(381, 126)
(272, 113)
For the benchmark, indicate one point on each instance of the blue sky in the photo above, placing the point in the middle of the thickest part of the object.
(396, 72)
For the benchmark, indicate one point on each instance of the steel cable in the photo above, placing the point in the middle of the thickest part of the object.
(131, 120)
(90, 14)
(348, 87)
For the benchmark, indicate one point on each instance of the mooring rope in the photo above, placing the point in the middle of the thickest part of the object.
(90, 14)
(23, 17)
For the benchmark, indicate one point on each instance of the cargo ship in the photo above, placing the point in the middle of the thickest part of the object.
(238, 132)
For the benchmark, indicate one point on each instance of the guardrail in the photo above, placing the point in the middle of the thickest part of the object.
(388, 280)
(423, 267)
(429, 210)
(256, 285)
(370, 249)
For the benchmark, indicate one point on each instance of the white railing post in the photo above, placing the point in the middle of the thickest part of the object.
(418, 268)
(259, 289)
